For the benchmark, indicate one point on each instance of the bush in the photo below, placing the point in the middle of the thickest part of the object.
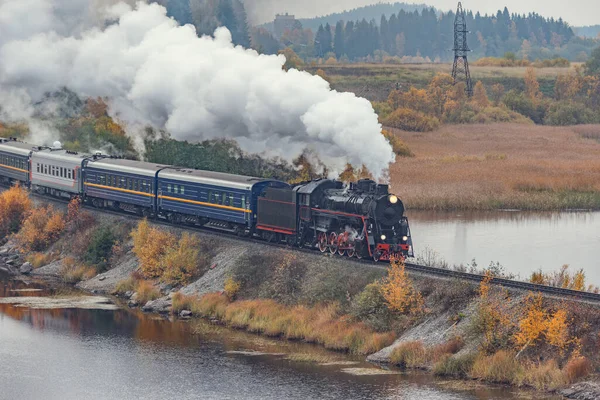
(569, 113)
(182, 302)
(100, 248)
(41, 228)
(458, 367)
(398, 146)
(181, 262)
(150, 245)
(285, 283)
(519, 102)
(413, 121)
(15, 204)
(371, 308)
(231, 287)
(541, 376)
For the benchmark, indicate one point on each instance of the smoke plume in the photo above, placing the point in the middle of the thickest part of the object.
(157, 73)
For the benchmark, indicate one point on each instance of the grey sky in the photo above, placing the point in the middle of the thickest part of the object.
(576, 12)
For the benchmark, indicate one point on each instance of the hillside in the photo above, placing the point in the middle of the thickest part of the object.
(374, 11)
(587, 31)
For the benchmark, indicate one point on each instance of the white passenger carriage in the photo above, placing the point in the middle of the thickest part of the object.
(57, 172)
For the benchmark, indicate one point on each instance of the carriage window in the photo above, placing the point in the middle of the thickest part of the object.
(169, 189)
(210, 196)
(182, 189)
(243, 201)
(45, 169)
(69, 174)
(231, 199)
(37, 168)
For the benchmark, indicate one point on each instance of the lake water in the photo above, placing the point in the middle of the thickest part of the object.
(83, 354)
(521, 242)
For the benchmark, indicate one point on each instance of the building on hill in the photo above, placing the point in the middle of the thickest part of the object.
(283, 23)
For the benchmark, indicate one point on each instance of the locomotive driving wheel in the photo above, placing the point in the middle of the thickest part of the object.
(322, 241)
(350, 252)
(333, 242)
(342, 243)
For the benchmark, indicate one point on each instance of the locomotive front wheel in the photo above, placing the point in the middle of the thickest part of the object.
(322, 239)
(333, 243)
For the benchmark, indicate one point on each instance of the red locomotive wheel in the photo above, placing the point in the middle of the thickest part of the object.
(322, 239)
(333, 242)
(350, 253)
(342, 244)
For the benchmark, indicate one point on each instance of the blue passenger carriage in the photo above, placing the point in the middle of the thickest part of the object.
(121, 184)
(14, 161)
(200, 197)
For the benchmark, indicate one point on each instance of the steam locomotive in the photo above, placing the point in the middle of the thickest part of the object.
(357, 220)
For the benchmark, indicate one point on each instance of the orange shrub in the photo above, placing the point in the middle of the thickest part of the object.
(577, 368)
(41, 228)
(398, 290)
(410, 120)
(180, 262)
(72, 272)
(14, 206)
(150, 245)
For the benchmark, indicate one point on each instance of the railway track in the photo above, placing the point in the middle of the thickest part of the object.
(422, 269)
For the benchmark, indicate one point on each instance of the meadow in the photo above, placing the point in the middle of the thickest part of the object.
(500, 166)
(374, 81)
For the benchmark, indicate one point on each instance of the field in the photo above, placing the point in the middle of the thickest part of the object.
(500, 166)
(375, 81)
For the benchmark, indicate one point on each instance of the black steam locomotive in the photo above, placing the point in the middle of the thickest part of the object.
(358, 220)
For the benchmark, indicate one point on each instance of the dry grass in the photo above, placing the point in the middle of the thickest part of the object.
(576, 369)
(73, 272)
(39, 260)
(146, 292)
(321, 325)
(483, 167)
(501, 367)
(125, 285)
(415, 355)
(312, 358)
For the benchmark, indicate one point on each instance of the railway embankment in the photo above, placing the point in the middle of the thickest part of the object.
(448, 326)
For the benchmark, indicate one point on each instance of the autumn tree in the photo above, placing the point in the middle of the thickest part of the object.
(150, 245)
(497, 93)
(41, 228)
(532, 86)
(399, 292)
(533, 325)
(567, 86)
(292, 61)
(14, 207)
(180, 262)
(480, 97)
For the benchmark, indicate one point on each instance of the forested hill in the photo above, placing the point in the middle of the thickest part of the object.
(374, 11)
(427, 34)
(588, 31)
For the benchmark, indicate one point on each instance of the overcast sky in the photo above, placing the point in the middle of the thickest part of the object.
(576, 12)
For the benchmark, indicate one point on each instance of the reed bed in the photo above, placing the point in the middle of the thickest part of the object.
(323, 325)
(500, 166)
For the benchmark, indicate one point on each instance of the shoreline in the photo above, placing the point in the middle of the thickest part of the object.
(578, 391)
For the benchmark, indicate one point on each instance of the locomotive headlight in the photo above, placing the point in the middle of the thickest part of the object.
(383, 237)
(393, 199)
(405, 238)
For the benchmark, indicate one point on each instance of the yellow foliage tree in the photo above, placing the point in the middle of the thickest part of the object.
(532, 86)
(497, 93)
(180, 262)
(567, 86)
(41, 228)
(480, 97)
(579, 281)
(399, 292)
(14, 206)
(533, 325)
(557, 330)
(150, 245)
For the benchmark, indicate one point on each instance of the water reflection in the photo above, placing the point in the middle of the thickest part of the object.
(521, 241)
(94, 354)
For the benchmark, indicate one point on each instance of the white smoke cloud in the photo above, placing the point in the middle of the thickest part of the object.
(156, 72)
